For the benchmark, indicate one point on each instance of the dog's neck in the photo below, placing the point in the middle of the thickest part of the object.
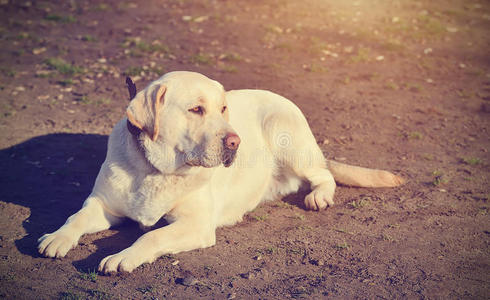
(160, 159)
(135, 131)
(136, 135)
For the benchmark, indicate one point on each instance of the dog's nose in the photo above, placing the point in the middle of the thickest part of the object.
(231, 141)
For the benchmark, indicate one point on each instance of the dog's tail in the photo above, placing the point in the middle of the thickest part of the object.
(362, 177)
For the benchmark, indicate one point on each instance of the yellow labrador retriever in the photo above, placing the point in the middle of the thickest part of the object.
(202, 158)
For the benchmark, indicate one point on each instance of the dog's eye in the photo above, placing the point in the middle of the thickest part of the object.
(197, 110)
(223, 109)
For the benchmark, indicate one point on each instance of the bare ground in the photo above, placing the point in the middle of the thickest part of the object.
(400, 85)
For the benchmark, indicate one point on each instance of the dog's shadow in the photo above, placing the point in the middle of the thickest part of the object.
(52, 175)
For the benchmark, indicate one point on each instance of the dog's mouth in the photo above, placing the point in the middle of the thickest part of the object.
(226, 158)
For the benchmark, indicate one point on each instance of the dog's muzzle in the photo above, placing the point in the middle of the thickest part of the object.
(230, 145)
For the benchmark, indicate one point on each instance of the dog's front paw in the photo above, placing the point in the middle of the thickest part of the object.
(124, 261)
(319, 199)
(56, 244)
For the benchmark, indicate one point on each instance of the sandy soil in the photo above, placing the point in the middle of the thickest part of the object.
(400, 85)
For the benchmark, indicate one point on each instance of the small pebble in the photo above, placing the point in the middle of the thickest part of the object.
(188, 280)
(248, 275)
(317, 262)
(37, 51)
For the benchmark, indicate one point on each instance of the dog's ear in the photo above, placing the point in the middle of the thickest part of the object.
(143, 110)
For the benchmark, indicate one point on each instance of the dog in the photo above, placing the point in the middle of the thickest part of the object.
(201, 158)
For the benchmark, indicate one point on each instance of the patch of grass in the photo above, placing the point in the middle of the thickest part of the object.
(300, 292)
(133, 71)
(472, 161)
(63, 67)
(146, 289)
(90, 275)
(462, 93)
(300, 217)
(9, 72)
(99, 294)
(387, 238)
(317, 68)
(304, 227)
(361, 56)
(296, 251)
(65, 82)
(232, 57)
(438, 178)
(103, 101)
(393, 45)
(341, 230)
(282, 204)
(431, 25)
(346, 80)
(284, 46)
(260, 218)
(342, 246)
(316, 45)
(202, 59)
(23, 36)
(230, 69)
(101, 7)
(70, 295)
(88, 101)
(8, 111)
(273, 28)
(414, 135)
(88, 38)
(15, 23)
(19, 52)
(138, 46)
(157, 70)
(392, 86)
(61, 18)
(358, 204)
(153, 47)
(271, 250)
(7, 277)
(414, 87)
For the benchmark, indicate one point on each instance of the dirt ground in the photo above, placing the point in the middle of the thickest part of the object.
(400, 85)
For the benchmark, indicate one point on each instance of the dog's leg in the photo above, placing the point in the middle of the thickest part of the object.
(309, 163)
(91, 218)
(183, 235)
(295, 148)
(323, 188)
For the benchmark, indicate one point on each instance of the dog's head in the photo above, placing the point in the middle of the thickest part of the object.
(184, 116)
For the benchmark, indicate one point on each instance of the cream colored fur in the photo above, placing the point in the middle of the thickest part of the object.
(179, 173)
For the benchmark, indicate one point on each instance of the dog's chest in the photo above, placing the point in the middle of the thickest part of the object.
(156, 195)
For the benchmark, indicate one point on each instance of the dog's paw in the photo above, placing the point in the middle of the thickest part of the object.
(56, 244)
(319, 199)
(124, 261)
